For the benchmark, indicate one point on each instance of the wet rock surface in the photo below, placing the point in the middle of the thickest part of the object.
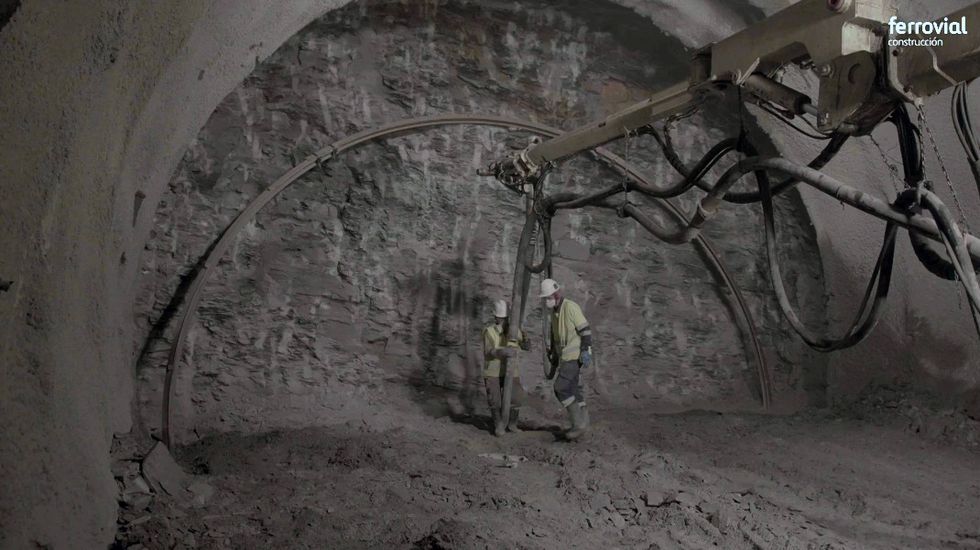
(383, 265)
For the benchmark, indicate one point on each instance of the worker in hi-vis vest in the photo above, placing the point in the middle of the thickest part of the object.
(495, 350)
(570, 354)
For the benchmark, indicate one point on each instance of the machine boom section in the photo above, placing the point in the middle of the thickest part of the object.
(661, 105)
(845, 42)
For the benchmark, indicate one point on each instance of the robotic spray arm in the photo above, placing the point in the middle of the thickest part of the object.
(845, 42)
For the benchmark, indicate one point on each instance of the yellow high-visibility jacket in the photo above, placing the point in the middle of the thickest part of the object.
(566, 322)
(492, 340)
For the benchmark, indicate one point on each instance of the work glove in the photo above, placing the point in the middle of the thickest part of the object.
(585, 358)
(526, 344)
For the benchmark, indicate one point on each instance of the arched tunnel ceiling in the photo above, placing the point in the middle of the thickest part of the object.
(322, 287)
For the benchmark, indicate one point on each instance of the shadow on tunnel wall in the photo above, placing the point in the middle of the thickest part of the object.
(448, 377)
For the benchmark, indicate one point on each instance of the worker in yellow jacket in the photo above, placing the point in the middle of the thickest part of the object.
(570, 354)
(496, 350)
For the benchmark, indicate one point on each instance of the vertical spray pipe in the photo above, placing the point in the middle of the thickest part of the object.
(522, 276)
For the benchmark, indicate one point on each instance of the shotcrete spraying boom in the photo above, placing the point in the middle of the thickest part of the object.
(871, 66)
(844, 42)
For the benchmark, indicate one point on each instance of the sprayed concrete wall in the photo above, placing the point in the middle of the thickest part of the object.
(99, 101)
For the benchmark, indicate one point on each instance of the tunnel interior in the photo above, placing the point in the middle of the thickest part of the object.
(379, 270)
(329, 392)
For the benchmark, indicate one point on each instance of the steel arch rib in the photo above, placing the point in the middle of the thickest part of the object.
(216, 252)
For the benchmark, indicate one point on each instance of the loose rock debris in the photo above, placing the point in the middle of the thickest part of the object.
(163, 473)
(509, 461)
(402, 478)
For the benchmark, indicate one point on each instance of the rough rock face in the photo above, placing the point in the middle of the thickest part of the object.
(383, 267)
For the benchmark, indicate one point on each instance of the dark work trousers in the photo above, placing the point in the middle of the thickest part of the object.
(495, 392)
(569, 384)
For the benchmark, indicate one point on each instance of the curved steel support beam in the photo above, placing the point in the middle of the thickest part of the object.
(214, 255)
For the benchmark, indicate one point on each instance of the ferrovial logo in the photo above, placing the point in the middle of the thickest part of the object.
(926, 33)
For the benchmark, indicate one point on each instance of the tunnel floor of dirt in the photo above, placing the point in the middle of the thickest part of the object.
(413, 474)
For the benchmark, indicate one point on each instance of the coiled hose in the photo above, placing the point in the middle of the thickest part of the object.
(869, 312)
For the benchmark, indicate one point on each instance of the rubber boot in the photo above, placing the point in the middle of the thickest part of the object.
(575, 413)
(585, 416)
(512, 425)
(498, 426)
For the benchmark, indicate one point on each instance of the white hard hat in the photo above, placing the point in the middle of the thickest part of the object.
(548, 287)
(500, 308)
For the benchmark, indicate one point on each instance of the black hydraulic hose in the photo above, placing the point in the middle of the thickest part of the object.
(566, 200)
(705, 209)
(515, 317)
(630, 210)
(853, 197)
(957, 249)
(571, 201)
(710, 203)
(694, 176)
(829, 151)
(908, 200)
(963, 249)
(683, 233)
(827, 154)
(646, 222)
(869, 312)
(925, 250)
(934, 260)
(963, 125)
(689, 180)
(908, 143)
(544, 230)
